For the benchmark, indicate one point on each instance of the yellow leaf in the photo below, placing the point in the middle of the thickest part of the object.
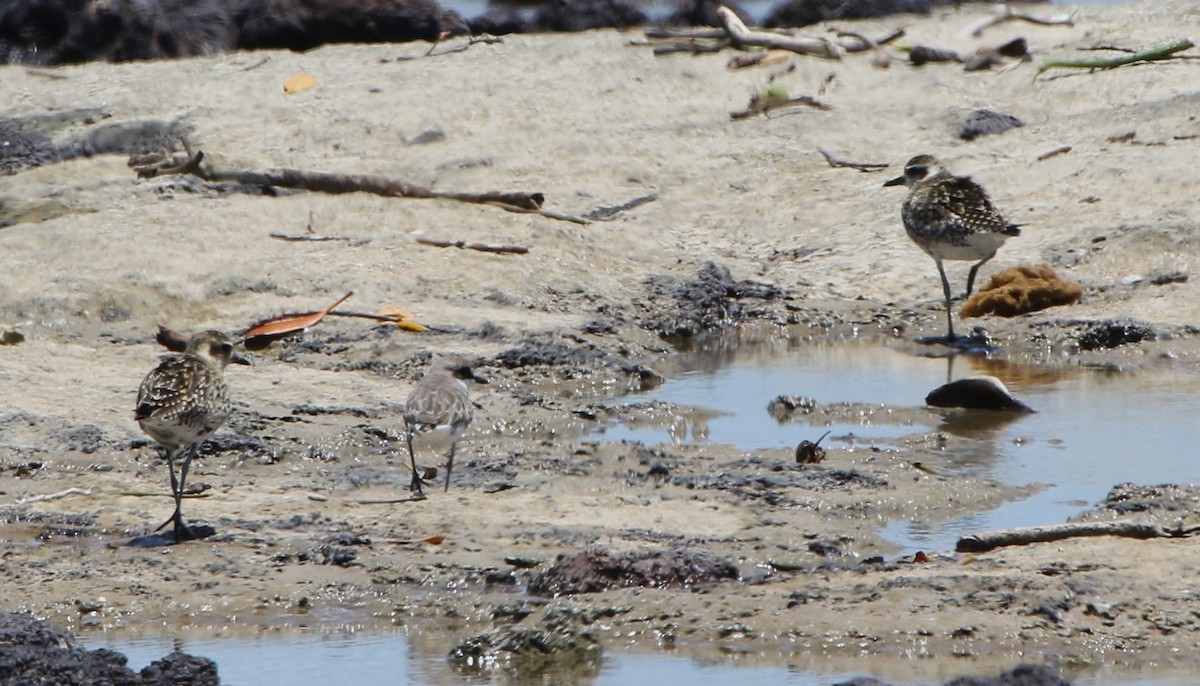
(403, 318)
(299, 83)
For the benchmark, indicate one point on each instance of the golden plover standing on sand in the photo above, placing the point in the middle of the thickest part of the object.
(182, 402)
(950, 218)
(440, 404)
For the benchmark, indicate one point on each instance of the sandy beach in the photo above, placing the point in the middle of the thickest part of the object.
(94, 259)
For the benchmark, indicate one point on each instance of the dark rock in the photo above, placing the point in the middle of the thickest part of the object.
(499, 21)
(1022, 675)
(1113, 333)
(978, 393)
(71, 31)
(584, 15)
(305, 24)
(805, 12)
(704, 13)
(33, 652)
(923, 54)
(595, 570)
(863, 681)
(987, 122)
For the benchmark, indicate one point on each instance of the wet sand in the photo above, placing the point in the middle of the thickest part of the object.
(96, 259)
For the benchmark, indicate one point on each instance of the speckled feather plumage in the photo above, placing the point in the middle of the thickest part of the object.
(439, 400)
(182, 401)
(951, 217)
(185, 399)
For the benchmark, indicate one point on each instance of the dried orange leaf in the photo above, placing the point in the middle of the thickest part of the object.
(268, 331)
(435, 540)
(299, 83)
(411, 326)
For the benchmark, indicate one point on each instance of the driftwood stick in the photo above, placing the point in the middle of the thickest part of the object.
(688, 34)
(978, 543)
(324, 182)
(860, 43)
(861, 166)
(311, 237)
(764, 103)
(1005, 14)
(1148, 55)
(881, 59)
(691, 47)
(482, 247)
(743, 37)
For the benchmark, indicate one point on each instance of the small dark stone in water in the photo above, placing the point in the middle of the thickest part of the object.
(561, 642)
(987, 122)
(1021, 675)
(976, 393)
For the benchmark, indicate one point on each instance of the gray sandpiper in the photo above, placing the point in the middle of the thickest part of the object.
(440, 404)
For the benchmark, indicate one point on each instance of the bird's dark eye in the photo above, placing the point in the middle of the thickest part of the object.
(222, 349)
(917, 171)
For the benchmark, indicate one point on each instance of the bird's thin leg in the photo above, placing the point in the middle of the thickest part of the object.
(946, 291)
(174, 486)
(971, 274)
(182, 531)
(412, 457)
(450, 464)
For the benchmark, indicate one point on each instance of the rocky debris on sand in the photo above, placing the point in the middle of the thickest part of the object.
(36, 652)
(709, 302)
(1113, 333)
(596, 569)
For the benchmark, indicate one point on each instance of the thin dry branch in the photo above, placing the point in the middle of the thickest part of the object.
(743, 37)
(978, 543)
(763, 103)
(1006, 14)
(1161, 52)
(482, 247)
(861, 166)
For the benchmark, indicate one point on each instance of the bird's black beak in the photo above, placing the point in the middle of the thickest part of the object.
(238, 358)
(898, 181)
(478, 379)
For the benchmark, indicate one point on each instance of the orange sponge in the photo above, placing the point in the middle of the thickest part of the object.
(1021, 289)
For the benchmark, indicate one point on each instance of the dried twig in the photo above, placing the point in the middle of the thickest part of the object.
(1005, 14)
(605, 213)
(54, 496)
(482, 247)
(483, 38)
(761, 103)
(861, 166)
(1051, 153)
(312, 237)
(743, 37)
(880, 60)
(977, 543)
(1148, 55)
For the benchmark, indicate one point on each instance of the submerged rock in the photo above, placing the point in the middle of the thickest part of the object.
(561, 645)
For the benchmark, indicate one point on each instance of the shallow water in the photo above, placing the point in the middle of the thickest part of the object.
(1093, 429)
(357, 658)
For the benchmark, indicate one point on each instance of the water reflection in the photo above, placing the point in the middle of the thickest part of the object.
(1094, 428)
